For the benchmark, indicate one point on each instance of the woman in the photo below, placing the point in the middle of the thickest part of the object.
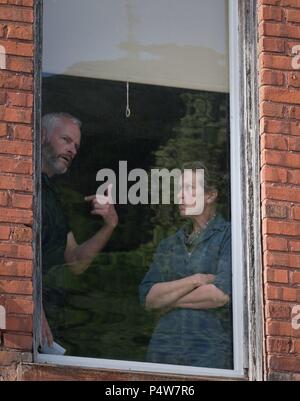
(190, 282)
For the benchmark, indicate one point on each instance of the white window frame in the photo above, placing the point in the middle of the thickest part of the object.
(238, 257)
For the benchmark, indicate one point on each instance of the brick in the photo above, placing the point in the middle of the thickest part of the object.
(279, 29)
(282, 159)
(16, 148)
(277, 328)
(294, 144)
(7, 358)
(19, 99)
(293, 15)
(290, 3)
(271, 45)
(279, 345)
(296, 346)
(14, 114)
(275, 243)
(269, 77)
(17, 251)
(25, 3)
(294, 79)
(270, 109)
(279, 95)
(276, 310)
(16, 268)
(21, 287)
(283, 293)
(269, 13)
(18, 31)
(282, 259)
(19, 323)
(3, 130)
(21, 234)
(16, 14)
(19, 64)
(15, 48)
(280, 376)
(4, 233)
(277, 275)
(275, 211)
(19, 306)
(16, 165)
(281, 227)
(295, 276)
(2, 98)
(278, 126)
(18, 183)
(23, 132)
(274, 141)
(3, 197)
(285, 363)
(294, 177)
(22, 201)
(274, 174)
(296, 211)
(21, 342)
(11, 80)
(8, 215)
(294, 246)
(280, 192)
(276, 62)
(293, 112)
(270, 2)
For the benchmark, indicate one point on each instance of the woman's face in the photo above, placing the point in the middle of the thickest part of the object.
(191, 194)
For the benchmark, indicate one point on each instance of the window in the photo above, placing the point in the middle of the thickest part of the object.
(152, 86)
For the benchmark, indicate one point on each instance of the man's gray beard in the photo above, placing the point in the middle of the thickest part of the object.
(49, 159)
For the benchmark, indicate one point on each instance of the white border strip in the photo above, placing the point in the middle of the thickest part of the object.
(139, 367)
(236, 190)
(237, 271)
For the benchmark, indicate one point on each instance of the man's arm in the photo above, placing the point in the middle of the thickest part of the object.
(164, 295)
(80, 256)
(204, 297)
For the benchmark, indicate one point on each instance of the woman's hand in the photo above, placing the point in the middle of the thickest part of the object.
(200, 279)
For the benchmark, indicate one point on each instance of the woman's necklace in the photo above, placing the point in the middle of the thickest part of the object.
(195, 234)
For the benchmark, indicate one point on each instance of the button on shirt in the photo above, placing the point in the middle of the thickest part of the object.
(193, 337)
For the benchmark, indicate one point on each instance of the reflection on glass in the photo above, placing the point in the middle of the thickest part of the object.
(163, 42)
(97, 266)
(98, 313)
(189, 281)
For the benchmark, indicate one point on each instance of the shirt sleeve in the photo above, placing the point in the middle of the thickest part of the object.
(156, 272)
(223, 279)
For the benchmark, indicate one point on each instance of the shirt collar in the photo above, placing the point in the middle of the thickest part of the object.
(216, 224)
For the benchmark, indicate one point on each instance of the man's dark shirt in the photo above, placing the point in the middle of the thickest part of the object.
(55, 230)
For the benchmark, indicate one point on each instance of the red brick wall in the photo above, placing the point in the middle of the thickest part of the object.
(279, 32)
(16, 182)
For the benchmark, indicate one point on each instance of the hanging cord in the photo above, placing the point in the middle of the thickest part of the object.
(128, 111)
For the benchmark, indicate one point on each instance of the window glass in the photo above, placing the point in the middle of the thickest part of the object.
(143, 271)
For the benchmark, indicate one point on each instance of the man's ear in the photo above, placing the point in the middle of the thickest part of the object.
(212, 196)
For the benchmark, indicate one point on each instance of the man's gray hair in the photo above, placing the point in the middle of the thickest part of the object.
(52, 120)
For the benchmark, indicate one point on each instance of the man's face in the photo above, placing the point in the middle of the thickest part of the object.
(61, 147)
